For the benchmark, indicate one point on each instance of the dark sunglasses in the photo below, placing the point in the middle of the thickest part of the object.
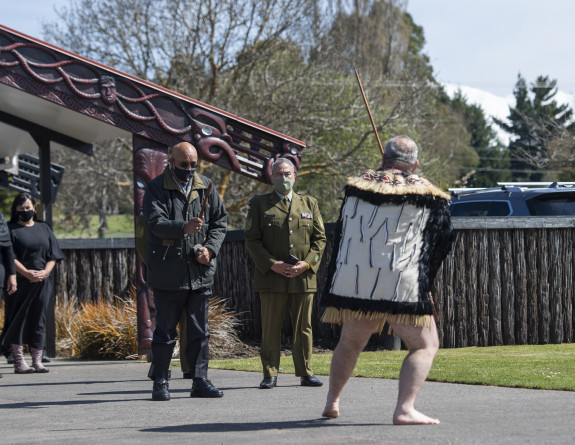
(186, 165)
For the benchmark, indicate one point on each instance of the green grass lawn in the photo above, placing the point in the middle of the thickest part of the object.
(541, 367)
(119, 226)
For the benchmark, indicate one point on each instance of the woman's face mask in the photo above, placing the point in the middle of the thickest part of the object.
(24, 215)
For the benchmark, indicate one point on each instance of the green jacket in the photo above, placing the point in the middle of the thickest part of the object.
(273, 232)
(170, 260)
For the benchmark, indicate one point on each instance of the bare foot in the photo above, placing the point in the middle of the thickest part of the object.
(332, 413)
(413, 418)
(331, 410)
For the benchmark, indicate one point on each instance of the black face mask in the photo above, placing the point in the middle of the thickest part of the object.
(24, 215)
(184, 175)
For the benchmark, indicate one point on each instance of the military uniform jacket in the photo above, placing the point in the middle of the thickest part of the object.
(274, 231)
(170, 259)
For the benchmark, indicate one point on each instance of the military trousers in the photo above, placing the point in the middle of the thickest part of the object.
(273, 308)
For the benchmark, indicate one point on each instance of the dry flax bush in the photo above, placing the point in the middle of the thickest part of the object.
(65, 315)
(223, 328)
(105, 331)
(109, 331)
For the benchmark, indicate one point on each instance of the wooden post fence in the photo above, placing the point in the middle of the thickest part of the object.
(507, 281)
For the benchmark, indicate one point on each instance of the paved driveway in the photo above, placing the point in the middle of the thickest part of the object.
(109, 403)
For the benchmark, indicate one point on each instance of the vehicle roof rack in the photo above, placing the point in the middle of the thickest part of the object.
(537, 184)
(464, 190)
(510, 187)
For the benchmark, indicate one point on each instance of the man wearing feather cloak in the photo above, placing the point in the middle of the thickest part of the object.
(393, 232)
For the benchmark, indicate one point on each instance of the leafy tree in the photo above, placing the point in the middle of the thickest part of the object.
(536, 122)
(562, 153)
(286, 64)
(493, 161)
(99, 184)
(6, 199)
(206, 50)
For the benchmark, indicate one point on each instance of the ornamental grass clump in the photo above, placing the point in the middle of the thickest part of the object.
(65, 316)
(105, 331)
(102, 330)
(223, 328)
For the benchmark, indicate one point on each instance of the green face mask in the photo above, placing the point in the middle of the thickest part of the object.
(284, 185)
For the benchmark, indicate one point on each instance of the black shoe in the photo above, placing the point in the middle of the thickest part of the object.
(268, 383)
(160, 391)
(45, 357)
(204, 388)
(188, 375)
(10, 358)
(1, 376)
(310, 380)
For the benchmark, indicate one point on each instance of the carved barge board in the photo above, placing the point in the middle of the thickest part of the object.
(141, 107)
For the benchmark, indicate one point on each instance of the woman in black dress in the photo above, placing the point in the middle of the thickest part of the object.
(36, 252)
(7, 267)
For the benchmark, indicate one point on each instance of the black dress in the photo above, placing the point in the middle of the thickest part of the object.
(26, 308)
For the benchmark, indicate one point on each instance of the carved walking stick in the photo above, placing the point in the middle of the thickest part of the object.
(368, 111)
(205, 201)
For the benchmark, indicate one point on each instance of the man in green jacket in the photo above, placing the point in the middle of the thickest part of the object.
(285, 237)
(186, 222)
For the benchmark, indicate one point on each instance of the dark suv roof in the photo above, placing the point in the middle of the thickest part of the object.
(515, 199)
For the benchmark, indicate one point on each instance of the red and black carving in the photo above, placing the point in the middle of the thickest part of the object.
(140, 107)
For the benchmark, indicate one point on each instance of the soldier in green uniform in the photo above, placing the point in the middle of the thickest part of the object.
(285, 237)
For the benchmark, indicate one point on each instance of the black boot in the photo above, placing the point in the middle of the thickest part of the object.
(160, 391)
(204, 388)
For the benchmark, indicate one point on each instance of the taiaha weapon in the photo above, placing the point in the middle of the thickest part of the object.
(369, 112)
(205, 201)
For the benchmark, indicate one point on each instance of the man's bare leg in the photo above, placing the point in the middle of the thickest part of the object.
(422, 344)
(354, 336)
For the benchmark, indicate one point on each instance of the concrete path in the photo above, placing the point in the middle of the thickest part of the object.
(81, 402)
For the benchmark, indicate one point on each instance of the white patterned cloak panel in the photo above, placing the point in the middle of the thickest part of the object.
(379, 251)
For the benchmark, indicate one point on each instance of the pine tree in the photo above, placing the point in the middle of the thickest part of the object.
(535, 121)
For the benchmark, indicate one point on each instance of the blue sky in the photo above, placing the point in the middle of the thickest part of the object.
(486, 43)
(482, 44)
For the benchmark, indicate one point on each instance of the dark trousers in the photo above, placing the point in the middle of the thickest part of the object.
(183, 343)
(170, 305)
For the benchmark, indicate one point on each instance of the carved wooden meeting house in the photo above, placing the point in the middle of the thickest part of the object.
(50, 96)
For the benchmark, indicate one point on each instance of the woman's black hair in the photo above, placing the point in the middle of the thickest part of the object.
(19, 200)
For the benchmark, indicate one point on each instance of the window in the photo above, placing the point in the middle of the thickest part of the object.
(480, 208)
(552, 204)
